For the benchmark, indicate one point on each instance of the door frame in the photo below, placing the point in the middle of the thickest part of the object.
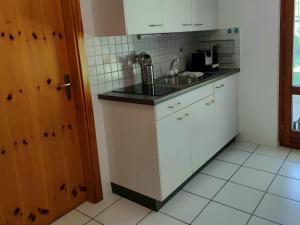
(287, 137)
(83, 99)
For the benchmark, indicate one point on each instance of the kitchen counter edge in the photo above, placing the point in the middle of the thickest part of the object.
(155, 100)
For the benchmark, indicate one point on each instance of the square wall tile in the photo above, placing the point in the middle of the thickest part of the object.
(217, 214)
(123, 212)
(239, 197)
(204, 185)
(184, 206)
(220, 169)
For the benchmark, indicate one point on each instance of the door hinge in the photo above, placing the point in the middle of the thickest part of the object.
(282, 127)
(283, 26)
(283, 77)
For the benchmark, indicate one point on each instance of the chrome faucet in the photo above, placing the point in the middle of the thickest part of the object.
(174, 71)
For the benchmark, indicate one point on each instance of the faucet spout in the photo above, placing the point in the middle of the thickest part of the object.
(173, 70)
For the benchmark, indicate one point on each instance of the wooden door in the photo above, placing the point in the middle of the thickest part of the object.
(289, 120)
(41, 168)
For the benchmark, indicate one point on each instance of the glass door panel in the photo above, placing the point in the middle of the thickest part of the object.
(296, 70)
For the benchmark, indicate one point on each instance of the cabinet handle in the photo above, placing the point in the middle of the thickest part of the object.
(155, 25)
(181, 118)
(210, 103)
(187, 24)
(198, 24)
(173, 106)
(222, 85)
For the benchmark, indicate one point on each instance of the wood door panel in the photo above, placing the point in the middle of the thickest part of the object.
(44, 162)
(11, 203)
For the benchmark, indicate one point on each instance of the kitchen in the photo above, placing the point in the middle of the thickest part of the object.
(182, 113)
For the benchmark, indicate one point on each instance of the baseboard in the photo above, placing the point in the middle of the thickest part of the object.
(153, 203)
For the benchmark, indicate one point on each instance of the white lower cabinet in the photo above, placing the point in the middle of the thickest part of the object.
(173, 151)
(154, 149)
(202, 132)
(185, 143)
(226, 97)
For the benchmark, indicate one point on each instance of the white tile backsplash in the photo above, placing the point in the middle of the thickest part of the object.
(110, 59)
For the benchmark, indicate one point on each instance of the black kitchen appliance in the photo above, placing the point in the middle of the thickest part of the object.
(202, 61)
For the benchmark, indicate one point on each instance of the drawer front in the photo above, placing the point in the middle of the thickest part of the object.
(166, 108)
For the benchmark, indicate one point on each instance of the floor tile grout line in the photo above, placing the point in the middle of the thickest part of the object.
(230, 206)
(144, 217)
(278, 174)
(107, 207)
(266, 192)
(94, 221)
(83, 213)
(223, 186)
(173, 217)
(256, 189)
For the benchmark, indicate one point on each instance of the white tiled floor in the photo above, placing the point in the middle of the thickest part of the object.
(245, 185)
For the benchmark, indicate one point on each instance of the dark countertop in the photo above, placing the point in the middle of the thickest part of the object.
(182, 89)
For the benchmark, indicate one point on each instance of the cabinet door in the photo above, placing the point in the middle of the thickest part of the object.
(205, 14)
(177, 15)
(201, 134)
(143, 16)
(174, 154)
(226, 97)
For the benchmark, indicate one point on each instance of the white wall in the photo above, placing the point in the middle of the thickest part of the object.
(259, 22)
(101, 141)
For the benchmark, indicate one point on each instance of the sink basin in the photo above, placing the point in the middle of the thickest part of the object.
(183, 80)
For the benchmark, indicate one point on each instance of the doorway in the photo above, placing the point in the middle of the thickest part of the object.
(48, 152)
(290, 74)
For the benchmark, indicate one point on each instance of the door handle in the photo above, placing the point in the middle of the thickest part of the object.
(210, 103)
(181, 118)
(187, 24)
(67, 86)
(222, 85)
(173, 106)
(155, 25)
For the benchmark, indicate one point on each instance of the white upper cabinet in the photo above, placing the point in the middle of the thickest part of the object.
(119, 17)
(205, 14)
(143, 16)
(177, 15)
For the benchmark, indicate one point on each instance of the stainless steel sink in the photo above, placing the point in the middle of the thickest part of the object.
(182, 80)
